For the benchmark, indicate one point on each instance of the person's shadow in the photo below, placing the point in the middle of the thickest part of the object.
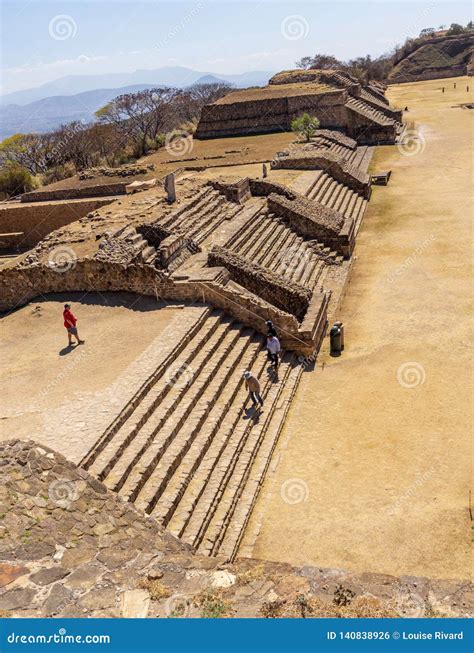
(67, 350)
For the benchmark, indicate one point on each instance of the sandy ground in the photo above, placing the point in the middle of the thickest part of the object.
(373, 469)
(43, 379)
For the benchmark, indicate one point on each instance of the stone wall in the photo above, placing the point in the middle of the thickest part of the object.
(332, 163)
(234, 189)
(36, 221)
(71, 548)
(264, 188)
(260, 116)
(315, 221)
(100, 190)
(286, 295)
(18, 286)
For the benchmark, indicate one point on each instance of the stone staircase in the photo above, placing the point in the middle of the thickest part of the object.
(185, 450)
(331, 193)
(376, 115)
(203, 215)
(270, 242)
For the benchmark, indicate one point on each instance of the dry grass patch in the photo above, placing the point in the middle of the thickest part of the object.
(155, 588)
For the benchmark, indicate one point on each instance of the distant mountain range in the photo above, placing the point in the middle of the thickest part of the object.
(77, 97)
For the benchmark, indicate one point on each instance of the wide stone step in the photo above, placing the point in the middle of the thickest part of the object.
(186, 338)
(162, 431)
(202, 480)
(259, 239)
(232, 459)
(268, 246)
(237, 241)
(335, 197)
(321, 187)
(176, 373)
(325, 198)
(212, 389)
(175, 218)
(209, 540)
(347, 198)
(252, 234)
(228, 542)
(224, 411)
(282, 262)
(281, 234)
(206, 213)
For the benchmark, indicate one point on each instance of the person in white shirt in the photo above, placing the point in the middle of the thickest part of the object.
(273, 348)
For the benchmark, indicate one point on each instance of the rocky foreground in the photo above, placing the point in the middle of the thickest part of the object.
(71, 548)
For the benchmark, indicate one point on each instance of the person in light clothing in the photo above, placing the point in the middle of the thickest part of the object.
(253, 386)
(273, 349)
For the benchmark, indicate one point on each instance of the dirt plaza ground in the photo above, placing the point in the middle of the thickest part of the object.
(373, 469)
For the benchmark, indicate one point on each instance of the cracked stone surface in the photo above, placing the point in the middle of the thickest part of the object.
(98, 556)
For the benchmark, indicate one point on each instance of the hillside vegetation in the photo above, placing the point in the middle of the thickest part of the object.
(447, 56)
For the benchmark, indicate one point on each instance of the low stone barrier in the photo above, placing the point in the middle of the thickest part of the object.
(18, 286)
(334, 164)
(99, 190)
(315, 221)
(35, 221)
(286, 295)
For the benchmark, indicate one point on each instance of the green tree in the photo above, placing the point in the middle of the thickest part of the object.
(305, 126)
(455, 28)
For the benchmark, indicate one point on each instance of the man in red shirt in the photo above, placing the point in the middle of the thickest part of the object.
(70, 324)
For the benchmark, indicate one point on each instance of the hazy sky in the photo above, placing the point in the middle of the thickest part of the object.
(42, 41)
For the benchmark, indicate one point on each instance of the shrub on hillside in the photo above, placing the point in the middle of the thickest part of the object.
(15, 180)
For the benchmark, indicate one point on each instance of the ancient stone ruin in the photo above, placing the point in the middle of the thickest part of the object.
(335, 98)
(158, 494)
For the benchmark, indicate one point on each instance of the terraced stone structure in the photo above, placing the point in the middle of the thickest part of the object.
(182, 444)
(334, 97)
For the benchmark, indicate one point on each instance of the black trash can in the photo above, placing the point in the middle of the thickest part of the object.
(341, 326)
(335, 337)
